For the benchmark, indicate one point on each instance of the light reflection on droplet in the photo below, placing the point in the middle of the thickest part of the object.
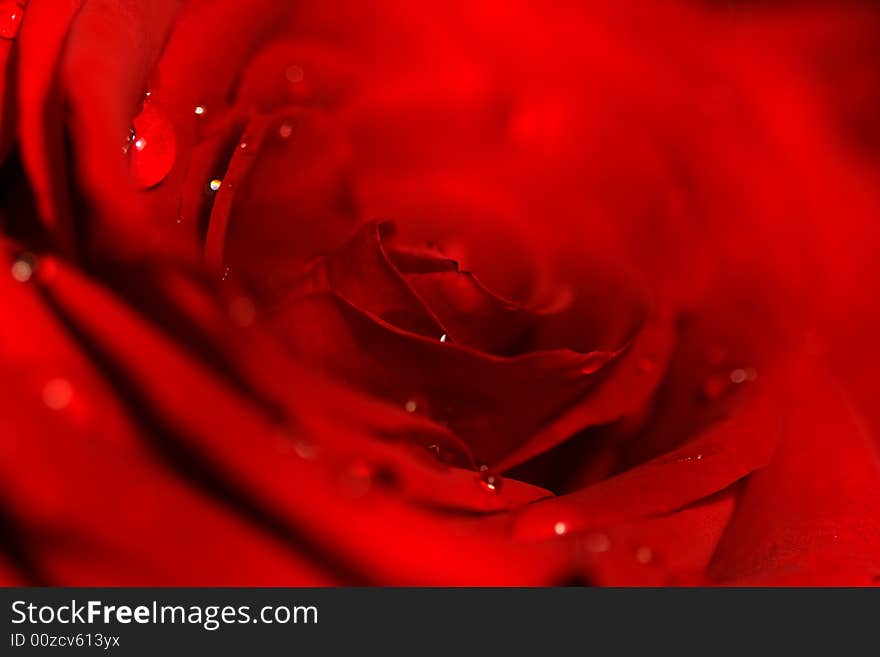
(11, 15)
(200, 110)
(285, 130)
(215, 184)
(243, 145)
(57, 394)
(225, 274)
(411, 406)
(560, 528)
(490, 482)
(153, 150)
(443, 338)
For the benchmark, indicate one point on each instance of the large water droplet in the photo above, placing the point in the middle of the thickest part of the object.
(154, 148)
(11, 15)
(23, 267)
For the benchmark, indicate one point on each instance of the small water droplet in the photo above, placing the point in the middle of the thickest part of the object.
(215, 185)
(11, 15)
(200, 110)
(738, 376)
(295, 74)
(180, 220)
(129, 140)
(225, 274)
(434, 448)
(560, 528)
(23, 268)
(411, 406)
(597, 542)
(482, 467)
(644, 554)
(154, 148)
(594, 361)
(243, 145)
(57, 394)
(490, 482)
(285, 130)
(443, 338)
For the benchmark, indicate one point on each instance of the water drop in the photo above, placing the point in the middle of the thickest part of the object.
(434, 448)
(491, 482)
(411, 406)
(57, 394)
(225, 274)
(644, 555)
(23, 268)
(243, 145)
(560, 528)
(738, 376)
(443, 338)
(200, 110)
(285, 130)
(129, 140)
(215, 184)
(11, 15)
(153, 149)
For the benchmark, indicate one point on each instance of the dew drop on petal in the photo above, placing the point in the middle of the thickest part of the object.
(644, 555)
(738, 376)
(411, 406)
(490, 482)
(57, 394)
(11, 15)
(200, 110)
(129, 140)
(560, 528)
(285, 130)
(154, 148)
(23, 268)
(443, 338)
(597, 542)
(215, 184)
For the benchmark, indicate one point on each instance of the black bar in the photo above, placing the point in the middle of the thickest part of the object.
(489, 622)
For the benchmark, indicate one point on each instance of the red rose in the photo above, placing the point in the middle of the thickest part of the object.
(382, 294)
